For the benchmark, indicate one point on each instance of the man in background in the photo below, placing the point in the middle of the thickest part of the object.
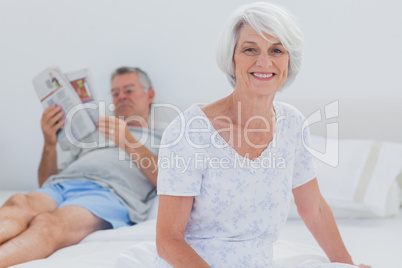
(85, 190)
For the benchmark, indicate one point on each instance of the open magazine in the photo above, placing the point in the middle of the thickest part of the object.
(73, 92)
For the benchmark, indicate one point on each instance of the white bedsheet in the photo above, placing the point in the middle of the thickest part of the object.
(135, 247)
(372, 241)
(100, 249)
(377, 242)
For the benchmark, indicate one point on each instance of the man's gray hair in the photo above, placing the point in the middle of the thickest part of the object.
(142, 76)
(265, 18)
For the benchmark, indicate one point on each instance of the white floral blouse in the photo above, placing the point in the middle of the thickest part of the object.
(239, 204)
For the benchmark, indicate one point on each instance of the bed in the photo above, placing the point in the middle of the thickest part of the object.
(370, 224)
(372, 241)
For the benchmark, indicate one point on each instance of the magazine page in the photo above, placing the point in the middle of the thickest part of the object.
(83, 83)
(52, 87)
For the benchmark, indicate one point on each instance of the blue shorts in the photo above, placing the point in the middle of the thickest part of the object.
(91, 196)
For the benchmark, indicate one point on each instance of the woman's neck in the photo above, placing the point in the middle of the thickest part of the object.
(251, 111)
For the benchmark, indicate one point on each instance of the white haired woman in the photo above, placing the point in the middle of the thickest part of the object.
(228, 169)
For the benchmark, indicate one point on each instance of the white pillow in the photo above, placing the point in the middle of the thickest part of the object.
(399, 182)
(353, 210)
(364, 183)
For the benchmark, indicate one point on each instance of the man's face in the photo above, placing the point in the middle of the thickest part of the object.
(129, 97)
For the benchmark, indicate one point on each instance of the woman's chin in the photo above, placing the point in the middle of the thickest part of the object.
(263, 90)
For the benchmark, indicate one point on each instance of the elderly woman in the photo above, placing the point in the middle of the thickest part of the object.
(227, 170)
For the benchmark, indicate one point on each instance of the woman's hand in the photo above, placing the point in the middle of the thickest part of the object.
(173, 215)
(115, 130)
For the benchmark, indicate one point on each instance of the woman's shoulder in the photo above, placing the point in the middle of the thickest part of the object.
(189, 116)
(189, 120)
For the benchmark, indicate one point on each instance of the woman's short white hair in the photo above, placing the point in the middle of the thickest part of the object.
(265, 18)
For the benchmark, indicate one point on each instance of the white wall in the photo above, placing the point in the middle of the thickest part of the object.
(352, 50)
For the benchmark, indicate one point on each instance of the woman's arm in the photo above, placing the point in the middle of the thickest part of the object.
(173, 214)
(318, 217)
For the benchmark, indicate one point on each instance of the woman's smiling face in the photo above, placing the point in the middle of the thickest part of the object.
(261, 66)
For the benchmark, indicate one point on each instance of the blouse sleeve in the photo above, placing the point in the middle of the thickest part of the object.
(179, 174)
(304, 169)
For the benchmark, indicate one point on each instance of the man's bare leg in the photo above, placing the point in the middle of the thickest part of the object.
(48, 232)
(19, 210)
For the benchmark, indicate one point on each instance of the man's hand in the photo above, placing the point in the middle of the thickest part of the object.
(51, 122)
(117, 131)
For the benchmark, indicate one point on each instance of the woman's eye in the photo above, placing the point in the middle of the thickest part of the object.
(277, 51)
(250, 50)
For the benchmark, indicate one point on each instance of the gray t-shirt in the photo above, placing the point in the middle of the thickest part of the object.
(113, 169)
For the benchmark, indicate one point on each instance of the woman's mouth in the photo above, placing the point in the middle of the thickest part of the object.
(263, 76)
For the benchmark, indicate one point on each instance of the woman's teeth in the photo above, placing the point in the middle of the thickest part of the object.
(263, 75)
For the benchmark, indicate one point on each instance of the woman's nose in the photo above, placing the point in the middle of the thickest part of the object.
(264, 61)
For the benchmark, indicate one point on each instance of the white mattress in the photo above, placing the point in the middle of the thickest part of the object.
(371, 241)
